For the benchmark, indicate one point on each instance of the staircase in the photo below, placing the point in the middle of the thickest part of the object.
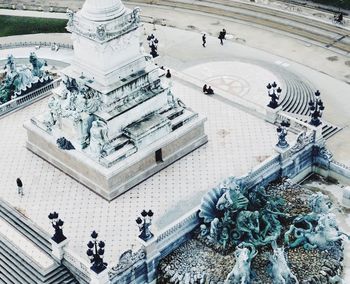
(25, 252)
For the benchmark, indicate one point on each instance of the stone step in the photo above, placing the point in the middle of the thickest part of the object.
(12, 271)
(123, 152)
(116, 144)
(19, 269)
(25, 226)
(173, 112)
(182, 119)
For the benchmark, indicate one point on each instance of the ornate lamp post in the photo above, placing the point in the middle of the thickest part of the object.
(144, 223)
(153, 44)
(57, 224)
(316, 109)
(282, 131)
(95, 252)
(274, 93)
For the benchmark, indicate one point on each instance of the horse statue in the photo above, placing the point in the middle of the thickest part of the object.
(279, 269)
(320, 236)
(240, 273)
(37, 65)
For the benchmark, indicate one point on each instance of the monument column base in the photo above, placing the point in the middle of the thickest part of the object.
(110, 182)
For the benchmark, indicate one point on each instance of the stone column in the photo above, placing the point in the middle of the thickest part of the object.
(100, 278)
(271, 114)
(58, 249)
(152, 258)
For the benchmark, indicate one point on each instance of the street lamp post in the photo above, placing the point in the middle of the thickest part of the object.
(57, 224)
(144, 223)
(95, 252)
(274, 93)
(282, 131)
(153, 44)
(316, 108)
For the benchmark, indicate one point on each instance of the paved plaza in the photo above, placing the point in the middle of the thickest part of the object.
(238, 140)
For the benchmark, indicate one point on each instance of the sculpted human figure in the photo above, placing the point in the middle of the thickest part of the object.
(55, 111)
(214, 229)
(98, 137)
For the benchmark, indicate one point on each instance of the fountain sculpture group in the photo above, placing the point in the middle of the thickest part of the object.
(246, 220)
(19, 80)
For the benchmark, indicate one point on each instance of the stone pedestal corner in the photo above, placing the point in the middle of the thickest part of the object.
(152, 257)
(101, 278)
(58, 249)
(271, 114)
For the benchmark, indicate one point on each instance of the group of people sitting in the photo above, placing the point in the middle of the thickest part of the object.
(208, 90)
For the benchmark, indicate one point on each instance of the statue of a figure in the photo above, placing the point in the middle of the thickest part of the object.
(98, 138)
(214, 229)
(224, 237)
(240, 273)
(37, 65)
(10, 64)
(279, 270)
(70, 15)
(55, 111)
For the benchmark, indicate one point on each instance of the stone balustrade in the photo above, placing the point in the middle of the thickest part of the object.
(25, 100)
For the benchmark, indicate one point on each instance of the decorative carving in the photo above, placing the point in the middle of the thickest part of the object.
(303, 139)
(101, 32)
(326, 154)
(127, 260)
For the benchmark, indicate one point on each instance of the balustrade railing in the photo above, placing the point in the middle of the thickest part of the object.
(24, 100)
(73, 260)
(36, 44)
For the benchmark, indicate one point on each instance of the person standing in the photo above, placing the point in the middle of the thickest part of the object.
(221, 37)
(19, 187)
(204, 40)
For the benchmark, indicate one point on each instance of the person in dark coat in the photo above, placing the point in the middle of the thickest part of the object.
(19, 187)
(168, 74)
(221, 37)
(204, 40)
(210, 91)
(223, 34)
(205, 88)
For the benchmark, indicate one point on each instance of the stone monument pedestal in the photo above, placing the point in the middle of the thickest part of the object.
(110, 182)
(271, 114)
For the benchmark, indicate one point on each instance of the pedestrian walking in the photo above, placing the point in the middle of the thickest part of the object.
(221, 37)
(223, 33)
(19, 187)
(204, 40)
(168, 74)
